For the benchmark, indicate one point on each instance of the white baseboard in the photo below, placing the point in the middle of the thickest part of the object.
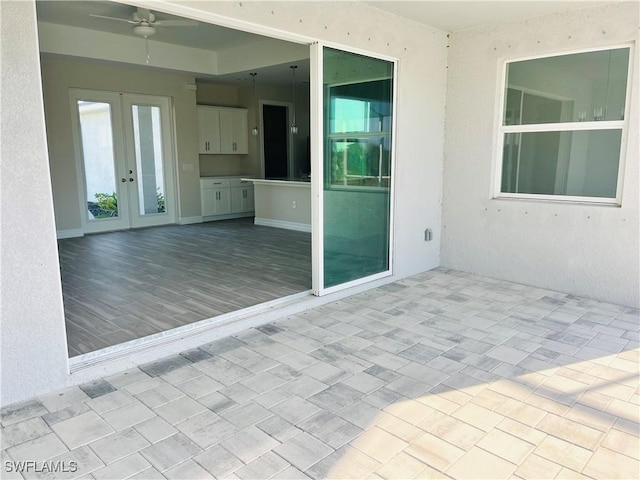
(268, 222)
(71, 233)
(189, 220)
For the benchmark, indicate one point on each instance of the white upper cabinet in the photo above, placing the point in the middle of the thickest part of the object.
(208, 130)
(233, 131)
(222, 130)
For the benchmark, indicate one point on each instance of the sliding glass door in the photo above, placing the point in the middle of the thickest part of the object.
(355, 196)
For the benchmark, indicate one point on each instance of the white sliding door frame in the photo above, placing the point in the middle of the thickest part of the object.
(317, 168)
(316, 127)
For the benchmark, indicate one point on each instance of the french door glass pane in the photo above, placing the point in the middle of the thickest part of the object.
(358, 106)
(98, 158)
(148, 149)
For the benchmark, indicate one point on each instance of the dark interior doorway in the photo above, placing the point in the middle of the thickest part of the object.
(276, 151)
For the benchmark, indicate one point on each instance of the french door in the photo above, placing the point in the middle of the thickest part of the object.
(352, 170)
(124, 158)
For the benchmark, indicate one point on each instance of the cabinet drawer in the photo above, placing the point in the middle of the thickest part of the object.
(237, 182)
(214, 183)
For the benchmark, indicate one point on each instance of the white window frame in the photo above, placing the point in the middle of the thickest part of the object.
(502, 129)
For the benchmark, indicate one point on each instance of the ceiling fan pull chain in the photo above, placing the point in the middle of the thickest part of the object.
(146, 45)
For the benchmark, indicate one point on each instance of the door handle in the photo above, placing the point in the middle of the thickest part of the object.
(130, 179)
(123, 180)
(130, 172)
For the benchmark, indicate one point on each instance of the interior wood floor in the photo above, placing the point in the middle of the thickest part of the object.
(125, 285)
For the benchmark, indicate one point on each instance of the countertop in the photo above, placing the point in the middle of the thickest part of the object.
(283, 182)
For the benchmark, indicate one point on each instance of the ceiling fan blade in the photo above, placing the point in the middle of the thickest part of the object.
(113, 18)
(175, 23)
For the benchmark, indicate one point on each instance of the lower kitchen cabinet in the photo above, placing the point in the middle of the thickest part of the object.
(226, 197)
(242, 197)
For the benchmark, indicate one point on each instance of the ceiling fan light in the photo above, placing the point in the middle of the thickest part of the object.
(144, 30)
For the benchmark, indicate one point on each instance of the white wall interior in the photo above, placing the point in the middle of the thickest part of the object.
(277, 203)
(583, 249)
(34, 356)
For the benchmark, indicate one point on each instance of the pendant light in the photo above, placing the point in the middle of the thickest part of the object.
(254, 130)
(294, 126)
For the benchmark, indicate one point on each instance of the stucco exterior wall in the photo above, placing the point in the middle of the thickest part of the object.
(33, 343)
(582, 249)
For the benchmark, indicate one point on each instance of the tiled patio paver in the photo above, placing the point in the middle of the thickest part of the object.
(441, 375)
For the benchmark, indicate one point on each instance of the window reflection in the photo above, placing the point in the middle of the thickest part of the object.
(580, 87)
(359, 134)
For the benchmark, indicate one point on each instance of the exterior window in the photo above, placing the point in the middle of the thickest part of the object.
(562, 127)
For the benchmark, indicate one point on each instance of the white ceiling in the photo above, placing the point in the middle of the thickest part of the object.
(77, 14)
(452, 15)
(202, 36)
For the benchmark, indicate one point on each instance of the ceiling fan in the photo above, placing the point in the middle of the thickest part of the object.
(145, 22)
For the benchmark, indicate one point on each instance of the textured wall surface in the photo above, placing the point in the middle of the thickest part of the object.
(582, 249)
(33, 344)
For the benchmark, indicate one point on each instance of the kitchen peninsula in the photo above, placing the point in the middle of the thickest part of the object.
(282, 203)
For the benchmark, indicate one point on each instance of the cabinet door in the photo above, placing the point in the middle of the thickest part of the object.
(208, 130)
(248, 199)
(233, 131)
(209, 199)
(237, 199)
(223, 201)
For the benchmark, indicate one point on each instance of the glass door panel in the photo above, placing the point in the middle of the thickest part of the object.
(147, 126)
(98, 159)
(100, 153)
(148, 153)
(358, 118)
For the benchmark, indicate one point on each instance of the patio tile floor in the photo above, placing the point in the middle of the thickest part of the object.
(441, 375)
